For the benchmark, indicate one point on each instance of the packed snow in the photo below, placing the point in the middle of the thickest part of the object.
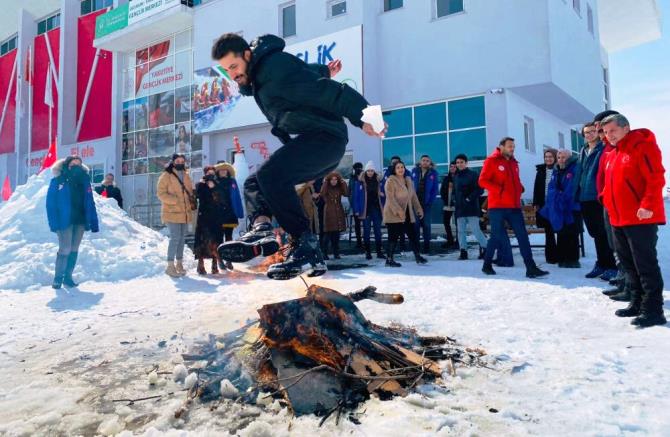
(123, 249)
(74, 360)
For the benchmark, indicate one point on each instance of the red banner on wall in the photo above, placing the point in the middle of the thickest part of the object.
(97, 115)
(40, 123)
(7, 91)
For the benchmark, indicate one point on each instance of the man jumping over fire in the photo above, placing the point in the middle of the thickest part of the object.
(306, 109)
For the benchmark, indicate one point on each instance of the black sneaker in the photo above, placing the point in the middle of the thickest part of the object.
(305, 252)
(259, 241)
(464, 255)
(535, 272)
(488, 269)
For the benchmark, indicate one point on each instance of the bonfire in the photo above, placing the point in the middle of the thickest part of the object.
(319, 355)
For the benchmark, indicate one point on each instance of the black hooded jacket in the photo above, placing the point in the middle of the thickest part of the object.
(297, 97)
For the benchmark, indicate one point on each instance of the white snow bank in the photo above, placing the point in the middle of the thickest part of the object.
(122, 250)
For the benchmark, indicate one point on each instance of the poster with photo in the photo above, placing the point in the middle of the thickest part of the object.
(158, 163)
(128, 117)
(141, 144)
(161, 109)
(126, 168)
(127, 146)
(141, 113)
(214, 97)
(196, 139)
(182, 104)
(161, 141)
(182, 138)
(196, 160)
(141, 166)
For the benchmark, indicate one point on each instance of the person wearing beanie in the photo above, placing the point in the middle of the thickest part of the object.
(175, 192)
(367, 205)
(356, 171)
(467, 208)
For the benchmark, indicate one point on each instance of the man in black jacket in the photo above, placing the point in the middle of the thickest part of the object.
(109, 190)
(467, 209)
(306, 110)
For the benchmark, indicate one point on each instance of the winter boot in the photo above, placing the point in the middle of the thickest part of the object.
(368, 254)
(380, 253)
(390, 262)
(59, 271)
(215, 267)
(633, 308)
(596, 272)
(179, 266)
(464, 255)
(201, 267)
(305, 252)
(69, 268)
(616, 290)
(624, 296)
(487, 268)
(482, 252)
(259, 241)
(171, 271)
(651, 310)
(229, 266)
(419, 259)
(646, 320)
(535, 272)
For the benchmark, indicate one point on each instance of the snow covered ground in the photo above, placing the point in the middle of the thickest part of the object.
(565, 364)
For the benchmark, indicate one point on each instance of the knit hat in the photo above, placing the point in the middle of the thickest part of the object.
(370, 166)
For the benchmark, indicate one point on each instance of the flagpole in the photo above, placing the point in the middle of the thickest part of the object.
(31, 57)
(89, 85)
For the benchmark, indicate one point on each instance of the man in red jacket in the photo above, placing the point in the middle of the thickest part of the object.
(500, 176)
(633, 196)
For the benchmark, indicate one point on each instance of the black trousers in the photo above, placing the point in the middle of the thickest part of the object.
(446, 220)
(636, 246)
(396, 230)
(550, 244)
(593, 215)
(332, 239)
(567, 246)
(271, 190)
(357, 230)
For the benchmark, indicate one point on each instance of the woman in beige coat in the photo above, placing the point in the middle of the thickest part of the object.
(401, 211)
(174, 190)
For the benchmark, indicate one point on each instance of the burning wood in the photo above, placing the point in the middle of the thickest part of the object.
(319, 354)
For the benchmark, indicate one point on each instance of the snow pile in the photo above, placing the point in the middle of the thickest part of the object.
(122, 250)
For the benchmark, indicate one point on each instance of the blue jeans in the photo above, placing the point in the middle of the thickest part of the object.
(513, 216)
(374, 219)
(462, 224)
(424, 225)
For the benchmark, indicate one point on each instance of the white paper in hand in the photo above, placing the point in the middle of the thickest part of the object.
(373, 116)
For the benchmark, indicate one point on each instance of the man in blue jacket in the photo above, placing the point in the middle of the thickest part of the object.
(306, 109)
(427, 184)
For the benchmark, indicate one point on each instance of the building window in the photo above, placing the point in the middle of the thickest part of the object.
(529, 134)
(441, 130)
(8, 45)
(576, 140)
(577, 7)
(390, 5)
(447, 7)
(288, 22)
(48, 24)
(606, 87)
(336, 8)
(88, 6)
(561, 140)
(589, 19)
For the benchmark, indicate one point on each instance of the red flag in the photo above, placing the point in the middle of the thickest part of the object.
(50, 157)
(6, 189)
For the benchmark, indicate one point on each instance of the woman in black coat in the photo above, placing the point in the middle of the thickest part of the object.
(542, 178)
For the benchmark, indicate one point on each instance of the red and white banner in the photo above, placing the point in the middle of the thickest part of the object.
(8, 76)
(161, 73)
(97, 113)
(46, 56)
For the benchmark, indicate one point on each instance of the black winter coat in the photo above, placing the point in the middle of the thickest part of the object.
(539, 194)
(297, 97)
(112, 192)
(466, 193)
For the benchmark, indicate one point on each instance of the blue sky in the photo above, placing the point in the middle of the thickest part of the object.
(640, 85)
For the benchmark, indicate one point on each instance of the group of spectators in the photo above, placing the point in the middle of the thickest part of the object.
(613, 187)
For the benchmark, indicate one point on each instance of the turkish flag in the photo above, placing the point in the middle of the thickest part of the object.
(50, 157)
(6, 189)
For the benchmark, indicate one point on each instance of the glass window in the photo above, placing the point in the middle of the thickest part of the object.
(576, 6)
(85, 7)
(182, 138)
(401, 147)
(158, 163)
(529, 134)
(161, 141)
(196, 140)
(336, 8)
(430, 118)
(470, 142)
(41, 27)
(128, 117)
(288, 21)
(390, 5)
(182, 41)
(589, 18)
(127, 146)
(161, 109)
(399, 121)
(434, 146)
(141, 166)
(141, 56)
(448, 7)
(141, 144)
(467, 113)
(182, 104)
